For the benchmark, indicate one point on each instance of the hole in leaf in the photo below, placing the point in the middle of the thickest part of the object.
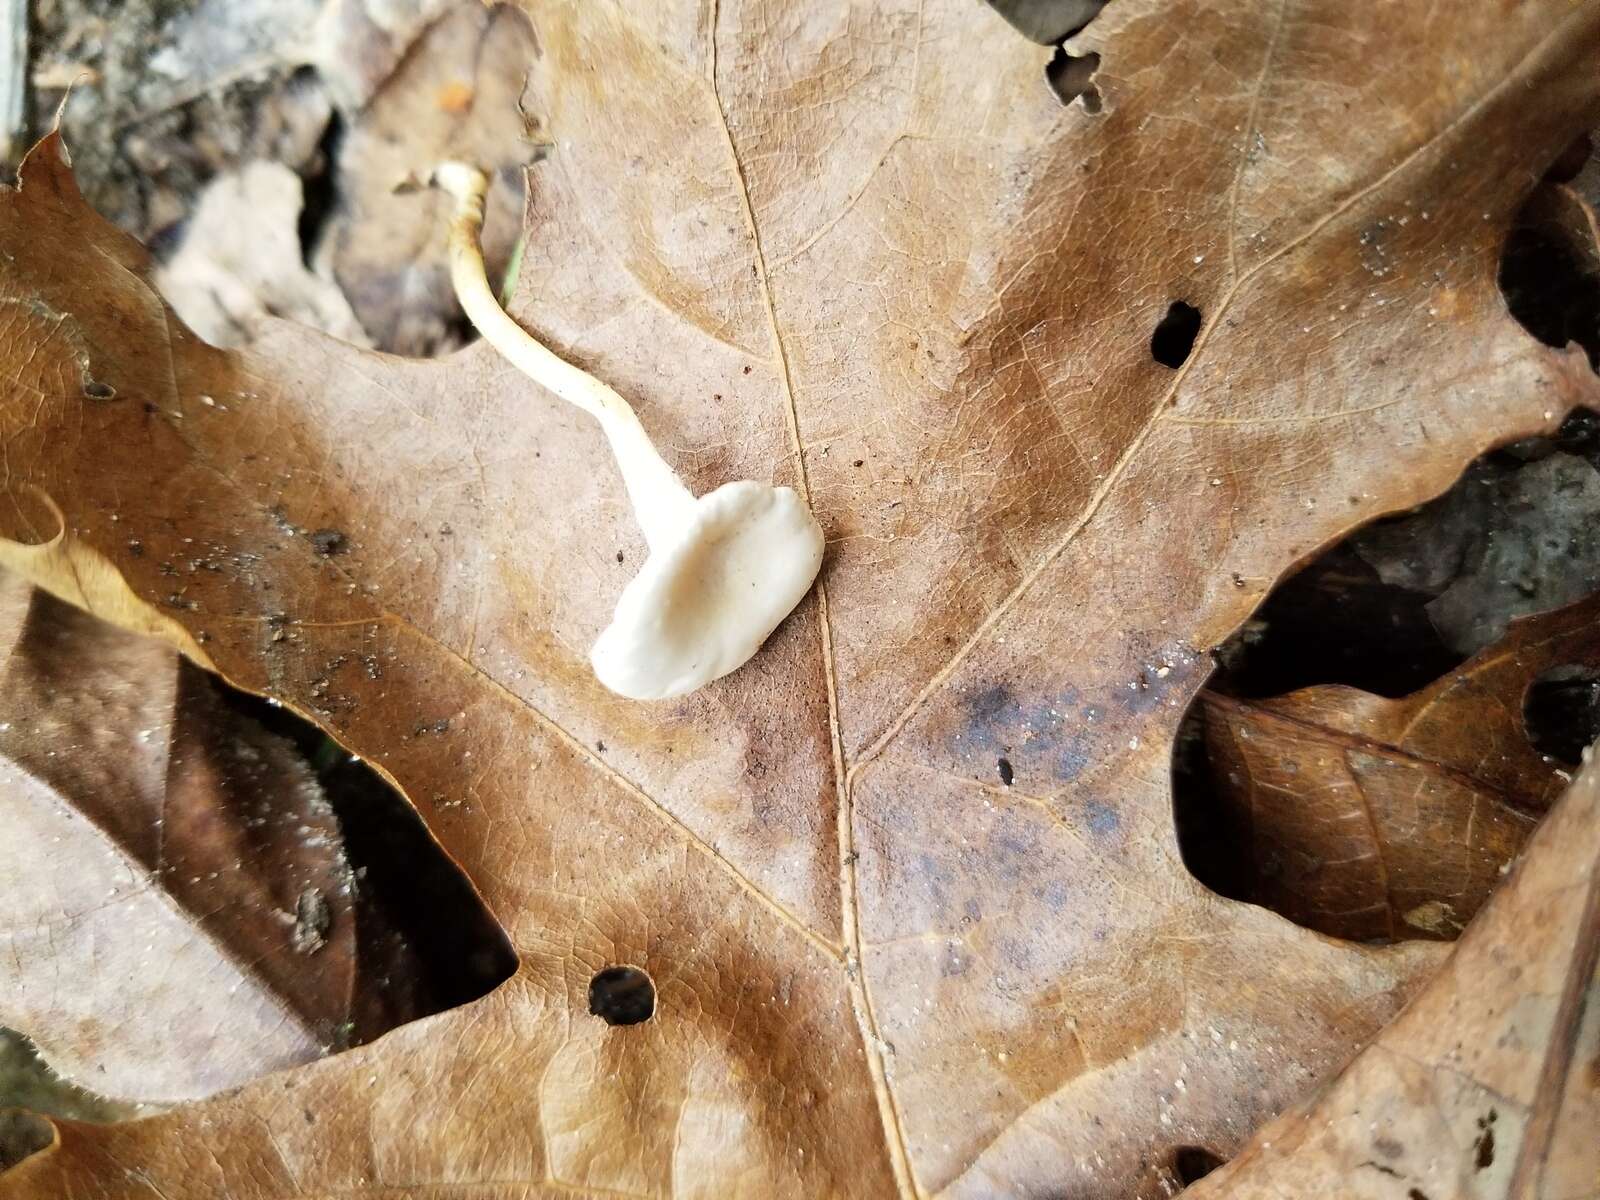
(1003, 768)
(95, 390)
(1192, 1163)
(1562, 712)
(1464, 640)
(622, 996)
(1071, 77)
(1174, 336)
(1550, 270)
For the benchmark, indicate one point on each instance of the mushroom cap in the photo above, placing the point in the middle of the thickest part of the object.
(704, 603)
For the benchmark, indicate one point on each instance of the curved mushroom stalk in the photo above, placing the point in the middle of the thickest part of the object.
(723, 569)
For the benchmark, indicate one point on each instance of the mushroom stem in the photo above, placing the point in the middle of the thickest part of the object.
(723, 571)
(661, 504)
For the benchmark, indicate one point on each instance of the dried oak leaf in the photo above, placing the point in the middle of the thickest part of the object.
(861, 248)
(240, 261)
(1365, 817)
(161, 853)
(1487, 1084)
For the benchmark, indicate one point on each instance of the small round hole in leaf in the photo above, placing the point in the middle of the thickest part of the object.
(622, 996)
(95, 390)
(1174, 336)
(1561, 712)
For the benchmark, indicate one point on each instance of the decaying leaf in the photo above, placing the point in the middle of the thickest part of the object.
(456, 95)
(1372, 818)
(159, 849)
(905, 888)
(1486, 1085)
(240, 263)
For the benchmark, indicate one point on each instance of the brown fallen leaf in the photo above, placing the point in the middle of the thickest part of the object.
(357, 44)
(239, 263)
(1486, 1086)
(161, 847)
(1365, 817)
(455, 95)
(864, 250)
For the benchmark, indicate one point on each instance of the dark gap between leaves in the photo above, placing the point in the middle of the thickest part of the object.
(1562, 712)
(428, 905)
(31, 1093)
(320, 189)
(1396, 605)
(1550, 263)
(22, 1133)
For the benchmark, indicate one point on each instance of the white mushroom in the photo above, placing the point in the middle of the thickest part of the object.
(723, 569)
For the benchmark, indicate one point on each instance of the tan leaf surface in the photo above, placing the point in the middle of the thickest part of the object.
(1374, 818)
(1486, 1085)
(861, 249)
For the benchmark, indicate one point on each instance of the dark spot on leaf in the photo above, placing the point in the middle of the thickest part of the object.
(96, 390)
(329, 542)
(1484, 1158)
(312, 919)
(1003, 766)
(622, 996)
(1102, 818)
